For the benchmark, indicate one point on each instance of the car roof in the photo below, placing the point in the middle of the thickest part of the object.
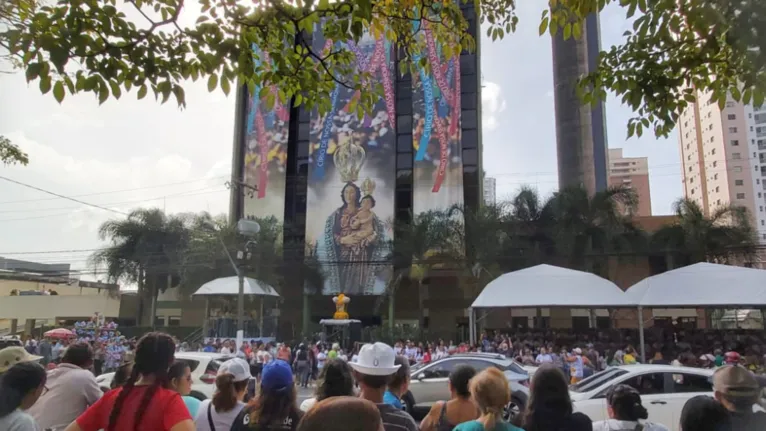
(642, 368)
(202, 355)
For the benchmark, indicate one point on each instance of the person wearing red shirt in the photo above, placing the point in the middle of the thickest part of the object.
(142, 403)
(427, 356)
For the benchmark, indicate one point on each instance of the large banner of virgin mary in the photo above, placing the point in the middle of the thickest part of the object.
(351, 179)
(436, 135)
(265, 134)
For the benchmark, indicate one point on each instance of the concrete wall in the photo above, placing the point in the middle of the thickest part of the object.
(51, 307)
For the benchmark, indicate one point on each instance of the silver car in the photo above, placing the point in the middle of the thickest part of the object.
(429, 382)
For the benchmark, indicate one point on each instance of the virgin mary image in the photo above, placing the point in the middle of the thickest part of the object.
(353, 245)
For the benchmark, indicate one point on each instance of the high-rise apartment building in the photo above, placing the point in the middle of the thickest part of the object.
(490, 191)
(631, 172)
(723, 153)
(581, 142)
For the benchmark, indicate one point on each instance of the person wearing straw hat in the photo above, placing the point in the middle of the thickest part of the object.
(373, 370)
(13, 355)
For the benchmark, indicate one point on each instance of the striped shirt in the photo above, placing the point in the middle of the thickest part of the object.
(395, 419)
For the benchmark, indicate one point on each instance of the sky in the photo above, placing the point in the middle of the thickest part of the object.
(128, 153)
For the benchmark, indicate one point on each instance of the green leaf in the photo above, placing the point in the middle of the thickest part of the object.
(58, 91)
(142, 91)
(225, 86)
(212, 82)
(544, 26)
(45, 84)
(103, 94)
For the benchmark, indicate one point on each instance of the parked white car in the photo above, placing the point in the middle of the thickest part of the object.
(204, 368)
(664, 390)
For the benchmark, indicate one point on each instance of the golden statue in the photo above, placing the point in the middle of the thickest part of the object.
(340, 307)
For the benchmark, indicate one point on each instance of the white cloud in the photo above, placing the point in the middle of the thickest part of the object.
(493, 104)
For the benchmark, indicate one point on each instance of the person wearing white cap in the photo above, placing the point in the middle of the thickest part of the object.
(373, 370)
(576, 365)
(219, 413)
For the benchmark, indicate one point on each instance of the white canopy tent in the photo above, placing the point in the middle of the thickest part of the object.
(702, 285)
(699, 285)
(548, 286)
(225, 286)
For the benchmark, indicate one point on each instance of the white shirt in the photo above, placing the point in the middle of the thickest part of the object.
(221, 421)
(410, 352)
(615, 425)
(71, 390)
(544, 359)
(18, 421)
(225, 351)
(321, 358)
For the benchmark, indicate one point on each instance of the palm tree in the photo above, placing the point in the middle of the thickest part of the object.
(531, 230)
(588, 228)
(145, 249)
(724, 236)
(269, 259)
(484, 236)
(419, 246)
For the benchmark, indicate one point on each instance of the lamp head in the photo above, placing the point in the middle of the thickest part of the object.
(248, 228)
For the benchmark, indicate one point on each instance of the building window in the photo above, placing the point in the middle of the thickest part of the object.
(761, 208)
(717, 189)
(736, 156)
(735, 142)
(740, 196)
(690, 168)
(731, 117)
(731, 129)
(718, 202)
(715, 164)
(713, 152)
(739, 183)
(715, 177)
(694, 191)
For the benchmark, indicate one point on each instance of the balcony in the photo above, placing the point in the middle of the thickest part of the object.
(58, 306)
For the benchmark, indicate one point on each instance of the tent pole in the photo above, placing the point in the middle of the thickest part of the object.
(641, 333)
(206, 321)
(471, 326)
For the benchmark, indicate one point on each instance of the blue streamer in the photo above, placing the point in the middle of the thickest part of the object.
(428, 100)
(325, 138)
(255, 100)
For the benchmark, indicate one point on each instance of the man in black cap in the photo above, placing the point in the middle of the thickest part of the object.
(737, 389)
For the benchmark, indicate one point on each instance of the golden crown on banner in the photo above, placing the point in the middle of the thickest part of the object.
(348, 159)
(368, 186)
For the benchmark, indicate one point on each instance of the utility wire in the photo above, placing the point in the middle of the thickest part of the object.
(60, 196)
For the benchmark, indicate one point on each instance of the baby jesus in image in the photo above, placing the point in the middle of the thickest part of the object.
(362, 222)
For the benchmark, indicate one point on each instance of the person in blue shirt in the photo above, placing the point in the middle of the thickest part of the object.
(399, 384)
(491, 393)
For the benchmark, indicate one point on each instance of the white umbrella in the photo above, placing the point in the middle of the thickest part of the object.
(230, 286)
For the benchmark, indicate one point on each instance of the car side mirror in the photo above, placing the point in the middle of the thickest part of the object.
(421, 376)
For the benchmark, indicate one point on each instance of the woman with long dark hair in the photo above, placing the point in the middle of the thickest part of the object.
(459, 408)
(335, 380)
(143, 403)
(20, 387)
(626, 412)
(274, 408)
(219, 413)
(549, 407)
(180, 380)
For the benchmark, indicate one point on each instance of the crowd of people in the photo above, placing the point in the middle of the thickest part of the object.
(357, 391)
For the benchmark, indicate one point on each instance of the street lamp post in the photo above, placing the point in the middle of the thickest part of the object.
(247, 228)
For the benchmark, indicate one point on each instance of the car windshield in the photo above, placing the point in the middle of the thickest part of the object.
(516, 368)
(597, 380)
(214, 364)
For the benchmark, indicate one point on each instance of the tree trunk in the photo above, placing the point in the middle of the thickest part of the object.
(153, 307)
(140, 297)
(421, 309)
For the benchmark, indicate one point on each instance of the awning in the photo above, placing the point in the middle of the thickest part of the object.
(551, 286)
(702, 285)
(230, 286)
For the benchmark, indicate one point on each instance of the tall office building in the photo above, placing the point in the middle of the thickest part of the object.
(490, 191)
(631, 172)
(338, 182)
(580, 129)
(723, 153)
